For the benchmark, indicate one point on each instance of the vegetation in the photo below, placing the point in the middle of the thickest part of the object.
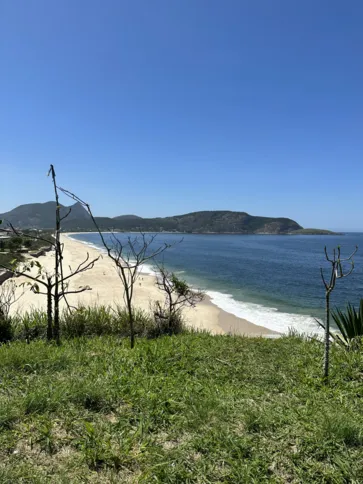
(337, 271)
(41, 215)
(82, 321)
(182, 406)
(187, 408)
(128, 258)
(10, 248)
(54, 285)
(178, 295)
(8, 258)
(350, 325)
(313, 232)
(219, 221)
(29, 241)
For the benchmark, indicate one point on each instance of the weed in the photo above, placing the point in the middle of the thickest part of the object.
(184, 408)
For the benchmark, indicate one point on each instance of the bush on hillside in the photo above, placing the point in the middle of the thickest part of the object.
(92, 321)
(350, 325)
(30, 325)
(166, 322)
(6, 329)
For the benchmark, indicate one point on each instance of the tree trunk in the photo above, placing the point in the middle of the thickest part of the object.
(58, 255)
(170, 304)
(327, 335)
(131, 319)
(49, 314)
(56, 321)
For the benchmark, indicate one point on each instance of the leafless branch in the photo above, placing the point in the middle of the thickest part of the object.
(66, 215)
(128, 258)
(323, 278)
(24, 273)
(347, 273)
(351, 255)
(76, 291)
(8, 297)
(82, 267)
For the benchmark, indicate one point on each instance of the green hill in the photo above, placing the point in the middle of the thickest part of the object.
(41, 216)
(219, 222)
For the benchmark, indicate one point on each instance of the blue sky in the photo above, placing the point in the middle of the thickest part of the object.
(170, 106)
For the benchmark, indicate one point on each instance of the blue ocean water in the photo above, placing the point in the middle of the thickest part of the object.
(269, 280)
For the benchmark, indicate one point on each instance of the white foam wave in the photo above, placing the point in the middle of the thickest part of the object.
(145, 268)
(89, 244)
(148, 269)
(270, 318)
(267, 317)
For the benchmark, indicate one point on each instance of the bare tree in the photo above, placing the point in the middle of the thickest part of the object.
(178, 294)
(128, 258)
(337, 271)
(55, 288)
(54, 285)
(8, 297)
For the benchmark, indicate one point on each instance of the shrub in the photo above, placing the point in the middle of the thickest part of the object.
(6, 329)
(91, 321)
(15, 243)
(350, 325)
(28, 243)
(30, 325)
(87, 321)
(104, 320)
(143, 322)
(166, 322)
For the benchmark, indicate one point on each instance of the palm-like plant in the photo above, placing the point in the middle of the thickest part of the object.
(350, 325)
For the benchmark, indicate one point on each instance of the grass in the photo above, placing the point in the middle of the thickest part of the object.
(89, 321)
(182, 409)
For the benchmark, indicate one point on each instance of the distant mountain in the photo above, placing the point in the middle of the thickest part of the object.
(127, 217)
(41, 216)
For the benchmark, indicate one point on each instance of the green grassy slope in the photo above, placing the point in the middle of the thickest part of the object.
(191, 408)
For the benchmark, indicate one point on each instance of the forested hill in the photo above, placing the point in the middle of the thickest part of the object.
(210, 222)
(41, 216)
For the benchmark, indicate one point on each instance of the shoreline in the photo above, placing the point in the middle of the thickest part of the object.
(227, 323)
(205, 233)
(107, 290)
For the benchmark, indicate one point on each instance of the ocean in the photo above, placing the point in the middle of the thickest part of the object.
(270, 280)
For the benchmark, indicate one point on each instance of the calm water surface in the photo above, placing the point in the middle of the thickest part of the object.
(268, 279)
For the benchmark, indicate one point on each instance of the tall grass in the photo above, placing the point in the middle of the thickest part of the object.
(30, 325)
(191, 408)
(87, 321)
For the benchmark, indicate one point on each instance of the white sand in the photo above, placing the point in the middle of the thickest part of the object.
(107, 289)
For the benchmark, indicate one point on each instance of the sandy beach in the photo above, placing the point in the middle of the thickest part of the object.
(106, 289)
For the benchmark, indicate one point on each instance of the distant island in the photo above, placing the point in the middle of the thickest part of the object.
(41, 216)
(315, 232)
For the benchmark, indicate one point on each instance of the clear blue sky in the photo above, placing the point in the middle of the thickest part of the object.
(169, 106)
